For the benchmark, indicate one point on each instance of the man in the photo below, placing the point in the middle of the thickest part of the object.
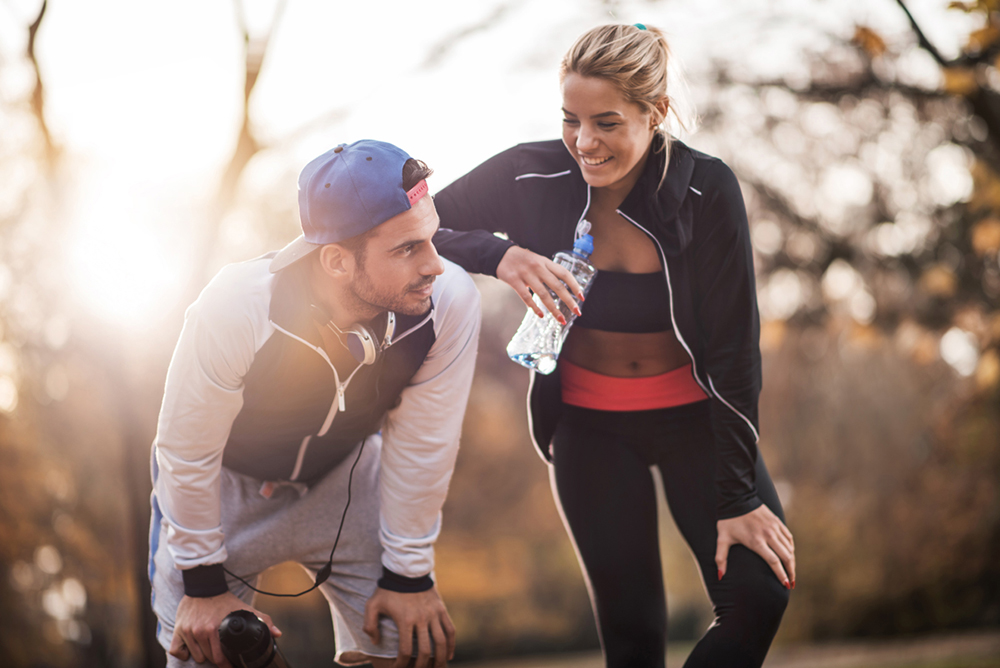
(311, 413)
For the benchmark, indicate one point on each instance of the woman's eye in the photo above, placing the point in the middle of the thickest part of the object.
(607, 126)
(570, 121)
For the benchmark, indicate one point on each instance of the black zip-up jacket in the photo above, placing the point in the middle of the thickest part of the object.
(535, 195)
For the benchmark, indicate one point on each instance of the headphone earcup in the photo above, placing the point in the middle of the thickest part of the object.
(361, 343)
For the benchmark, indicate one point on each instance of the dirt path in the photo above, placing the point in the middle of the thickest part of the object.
(967, 650)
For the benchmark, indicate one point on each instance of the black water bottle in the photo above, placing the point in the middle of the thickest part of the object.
(247, 642)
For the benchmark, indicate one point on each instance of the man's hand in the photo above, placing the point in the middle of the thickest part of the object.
(761, 531)
(423, 612)
(196, 628)
(522, 269)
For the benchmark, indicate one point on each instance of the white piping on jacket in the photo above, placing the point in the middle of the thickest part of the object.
(756, 436)
(339, 403)
(670, 294)
(677, 332)
(301, 456)
(541, 176)
(583, 215)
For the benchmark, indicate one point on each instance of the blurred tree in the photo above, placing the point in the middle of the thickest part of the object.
(874, 196)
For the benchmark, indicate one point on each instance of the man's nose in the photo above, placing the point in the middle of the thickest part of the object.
(434, 266)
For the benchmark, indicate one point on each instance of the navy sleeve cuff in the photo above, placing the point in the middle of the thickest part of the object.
(205, 581)
(402, 584)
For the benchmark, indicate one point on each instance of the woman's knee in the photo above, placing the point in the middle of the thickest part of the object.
(750, 593)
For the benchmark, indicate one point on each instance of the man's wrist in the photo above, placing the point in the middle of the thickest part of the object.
(205, 581)
(402, 584)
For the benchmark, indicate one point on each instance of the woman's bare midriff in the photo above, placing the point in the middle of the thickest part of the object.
(624, 355)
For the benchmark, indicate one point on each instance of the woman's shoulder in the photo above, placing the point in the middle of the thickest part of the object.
(710, 173)
(539, 158)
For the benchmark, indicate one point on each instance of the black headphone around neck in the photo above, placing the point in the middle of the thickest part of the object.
(362, 342)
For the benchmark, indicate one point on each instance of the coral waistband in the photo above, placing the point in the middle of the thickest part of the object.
(587, 389)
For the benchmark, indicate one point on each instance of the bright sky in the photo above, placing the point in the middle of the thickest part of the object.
(146, 96)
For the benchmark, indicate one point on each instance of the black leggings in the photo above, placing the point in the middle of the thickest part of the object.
(603, 483)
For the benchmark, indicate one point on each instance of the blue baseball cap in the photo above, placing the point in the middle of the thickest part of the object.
(347, 191)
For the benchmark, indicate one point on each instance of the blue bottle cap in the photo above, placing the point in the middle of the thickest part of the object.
(584, 244)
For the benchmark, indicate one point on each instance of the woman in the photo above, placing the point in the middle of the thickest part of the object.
(663, 366)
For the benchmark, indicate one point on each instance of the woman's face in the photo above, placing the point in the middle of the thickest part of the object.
(607, 135)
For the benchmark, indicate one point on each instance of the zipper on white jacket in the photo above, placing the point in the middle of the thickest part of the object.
(340, 402)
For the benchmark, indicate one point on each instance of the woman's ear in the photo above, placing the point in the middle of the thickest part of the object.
(662, 107)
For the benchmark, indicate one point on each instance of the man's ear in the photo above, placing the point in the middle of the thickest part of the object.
(336, 261)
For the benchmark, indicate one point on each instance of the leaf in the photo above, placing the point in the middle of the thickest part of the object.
(986, 236)
(963, 6)
(988, 370)
(986, 188)
(869, 41)
(939, 281)
(959, 81)
(982, 39)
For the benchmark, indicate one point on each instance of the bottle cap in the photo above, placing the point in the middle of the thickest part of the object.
(585, 244)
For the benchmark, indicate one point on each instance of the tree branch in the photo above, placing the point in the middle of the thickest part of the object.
(38, 93)
(438, 51)
(922, 38)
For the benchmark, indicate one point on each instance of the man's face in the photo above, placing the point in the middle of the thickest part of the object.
(399, 262)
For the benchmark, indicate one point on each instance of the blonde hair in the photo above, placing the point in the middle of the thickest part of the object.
(637, 60)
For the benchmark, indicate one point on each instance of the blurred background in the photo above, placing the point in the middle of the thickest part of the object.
(145, 145)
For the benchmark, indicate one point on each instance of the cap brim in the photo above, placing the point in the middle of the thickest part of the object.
(294, 251)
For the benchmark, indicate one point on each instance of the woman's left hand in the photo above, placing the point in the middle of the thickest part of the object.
(761, 531)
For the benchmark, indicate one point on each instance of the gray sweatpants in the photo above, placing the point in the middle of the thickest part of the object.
(293, 526)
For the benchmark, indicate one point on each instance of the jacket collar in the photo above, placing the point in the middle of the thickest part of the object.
(290, 308)
(661, 208)
(290, 302)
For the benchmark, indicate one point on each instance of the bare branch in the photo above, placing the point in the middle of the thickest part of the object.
(440, 50)
(38, 93)
(247, 144)
(922, 38)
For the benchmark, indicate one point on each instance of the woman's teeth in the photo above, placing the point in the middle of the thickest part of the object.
(593, 162)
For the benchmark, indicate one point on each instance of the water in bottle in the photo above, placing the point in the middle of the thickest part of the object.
(538, 341)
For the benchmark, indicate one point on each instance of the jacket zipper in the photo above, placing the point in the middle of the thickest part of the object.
(339, 403)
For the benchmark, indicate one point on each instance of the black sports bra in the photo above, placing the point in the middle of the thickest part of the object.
(630, 303)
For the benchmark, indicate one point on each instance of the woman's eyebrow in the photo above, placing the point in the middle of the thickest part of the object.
(600, 115)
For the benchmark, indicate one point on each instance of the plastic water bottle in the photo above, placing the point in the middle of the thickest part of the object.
(538, 341)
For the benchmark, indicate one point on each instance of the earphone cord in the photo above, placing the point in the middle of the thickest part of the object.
(324, 573)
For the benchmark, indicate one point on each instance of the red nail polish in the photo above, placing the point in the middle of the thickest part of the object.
(793, 584)
(720, 573)
(787, 585)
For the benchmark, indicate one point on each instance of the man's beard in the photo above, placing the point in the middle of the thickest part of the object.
(378, 300)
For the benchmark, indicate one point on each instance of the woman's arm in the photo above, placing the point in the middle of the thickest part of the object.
(478, 207)
(730, 326)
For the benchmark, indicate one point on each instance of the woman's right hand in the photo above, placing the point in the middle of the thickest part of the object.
(528, 272)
